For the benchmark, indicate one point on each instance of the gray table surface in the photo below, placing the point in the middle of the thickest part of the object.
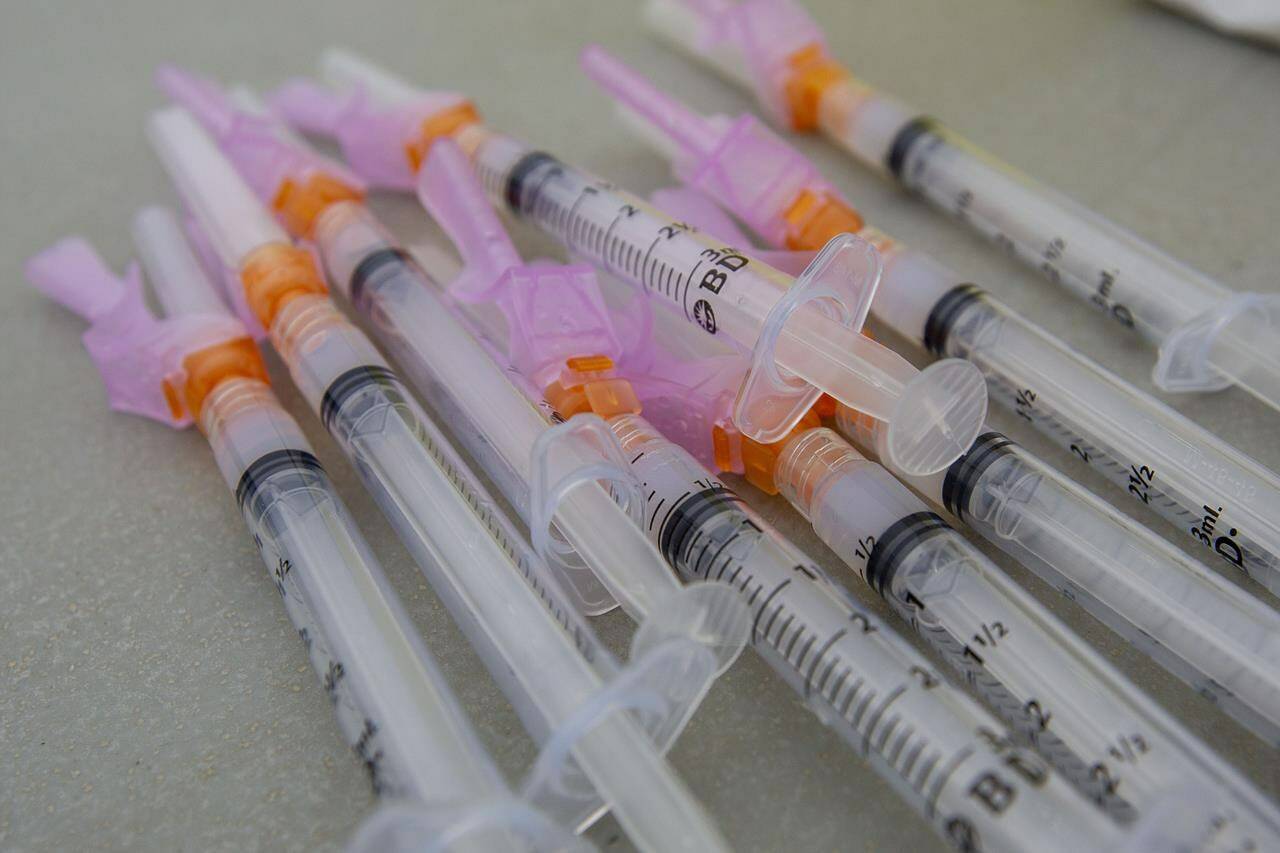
(154, 695)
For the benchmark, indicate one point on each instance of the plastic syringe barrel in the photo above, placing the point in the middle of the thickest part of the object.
(1084, 717)
(537, 186)
(853, 510)
(1209, 337)
(392, 703)
(454, 374)
(1228, 503)
(403, 458)
(935, 413)
(397, 297)
(734, 297)
(414, 473)
(1216, 637)
(390, 698)
(851, 667)
(529, 651)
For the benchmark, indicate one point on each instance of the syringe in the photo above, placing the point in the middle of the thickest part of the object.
(1054, 690)
(348, 234)
(1086, 719)
(1046, 671)
(1199, 626)
(275, 163)
(952, 774)
(853, 670)
(468, 553)
(800, 349)
(1208, 337)
(1089, 721)
(1035, 670)
(1217, 638)
(1045, 674)
(1203, 628)
(392, 703)
(1228, 503)
(533, 315)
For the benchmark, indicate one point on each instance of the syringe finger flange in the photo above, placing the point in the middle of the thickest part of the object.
(578, 452)
(840, 284)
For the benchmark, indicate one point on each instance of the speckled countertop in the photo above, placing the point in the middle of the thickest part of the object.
(152, 692)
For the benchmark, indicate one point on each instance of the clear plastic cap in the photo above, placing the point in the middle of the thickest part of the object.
(231, 215)
(179, 280)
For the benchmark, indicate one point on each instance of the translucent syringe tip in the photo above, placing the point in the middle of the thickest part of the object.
(697, 136)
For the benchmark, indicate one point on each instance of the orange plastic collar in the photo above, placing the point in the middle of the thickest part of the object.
(759, 461)
(812, 73)
(814, 218)
(447, 122)
(299, 205)
(275, 273)
(825, 408)
(589, 384)
(204, 369)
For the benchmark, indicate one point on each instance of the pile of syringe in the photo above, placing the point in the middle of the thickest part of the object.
(714, 329)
